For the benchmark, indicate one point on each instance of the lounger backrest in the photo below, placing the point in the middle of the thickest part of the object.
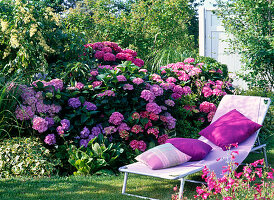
(252, 107)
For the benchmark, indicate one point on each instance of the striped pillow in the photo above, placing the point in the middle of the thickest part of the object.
(163, 156)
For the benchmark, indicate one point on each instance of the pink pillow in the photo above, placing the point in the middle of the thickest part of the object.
(163, 156)
(195, 148)
(233, 127)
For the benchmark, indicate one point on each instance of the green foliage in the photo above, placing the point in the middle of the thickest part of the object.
(145, 26)
(251, 24)
(99, 155)
(25, 157)
(8, 104)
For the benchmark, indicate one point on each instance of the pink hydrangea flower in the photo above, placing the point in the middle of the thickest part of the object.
(143, 70)
(128, 87)
(130, 51)
(207, 91)
(210, 116)
(147, 95)
(109, 130)
(186, 90)
(137, 129)
(171, 80)
(217, 92)
(189, 60)
(56, 83)
(135, 115)
(156, 90)
(156, 77)
(124, 134)
(176, 95)
(183, 76)
(167, 86)
(99, 54)
(40, 124)
(121, 78)
(219, 71)
(94, 73)
(79, 85)
(153, 108)
(96, 83)
(109, 57)
(138, 81)
(116, 118)
(142, 145)
(153, 116)
(50, 139)
(153, 131)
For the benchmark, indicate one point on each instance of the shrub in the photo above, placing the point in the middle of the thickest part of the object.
(252, 38)
(26, 157)
(100, 155)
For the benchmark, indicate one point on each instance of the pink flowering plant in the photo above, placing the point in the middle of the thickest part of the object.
(202, 85)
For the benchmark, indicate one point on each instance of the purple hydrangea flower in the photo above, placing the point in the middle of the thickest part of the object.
(90, 106)
(95, 130)
(60, 130)
(65, 124)
(147, 95)
(50, 121)
(156, 90)
(50, 139)
(74, 102)
(84, 133)
(153, 108)
(84, 142)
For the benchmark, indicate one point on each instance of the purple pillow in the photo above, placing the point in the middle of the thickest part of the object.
(195, 148)
(233, 127)
(163, 156)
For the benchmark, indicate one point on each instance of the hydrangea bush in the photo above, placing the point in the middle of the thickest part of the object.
(204, 84)
(119, 99)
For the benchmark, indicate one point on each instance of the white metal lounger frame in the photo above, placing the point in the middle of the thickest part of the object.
(264, 105)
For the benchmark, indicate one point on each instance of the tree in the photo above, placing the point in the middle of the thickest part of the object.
(251, 24)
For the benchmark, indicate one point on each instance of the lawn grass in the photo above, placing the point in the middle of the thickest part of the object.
(101, 187)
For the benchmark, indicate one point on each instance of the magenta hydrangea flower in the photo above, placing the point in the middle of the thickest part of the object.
(121, 78)
(90, 106)
(207, 107)
(121, 56)
(130, 51)
(97, 45)
(109, 93)
(94, 73)
(162, 139)
(143, 70)
(153, 131)
(210, 116)
(156, 90)
(183, 76)
(116, 118)
(109, 57)
(99, 54)
(138, 62)
(128, 87)
(107, 50)
(176, 95)
(74, 102)
(147, 95)
(84, 133)
(189, 60)
(169, 102)
(137, 81)
(217, 92)
(153, 107)
(156, 77)
(65, 124)
(50, 139)
(24, 113)
(40, 124)
(142, 145)
(134, 144)
(167, 86)
(137, 129)
(79, 85)
(105, 67)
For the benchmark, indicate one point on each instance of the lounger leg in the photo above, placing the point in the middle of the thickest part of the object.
(181, 188)
(125, 183)
(265, 156)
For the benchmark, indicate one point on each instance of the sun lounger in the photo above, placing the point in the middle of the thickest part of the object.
(254, 108)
